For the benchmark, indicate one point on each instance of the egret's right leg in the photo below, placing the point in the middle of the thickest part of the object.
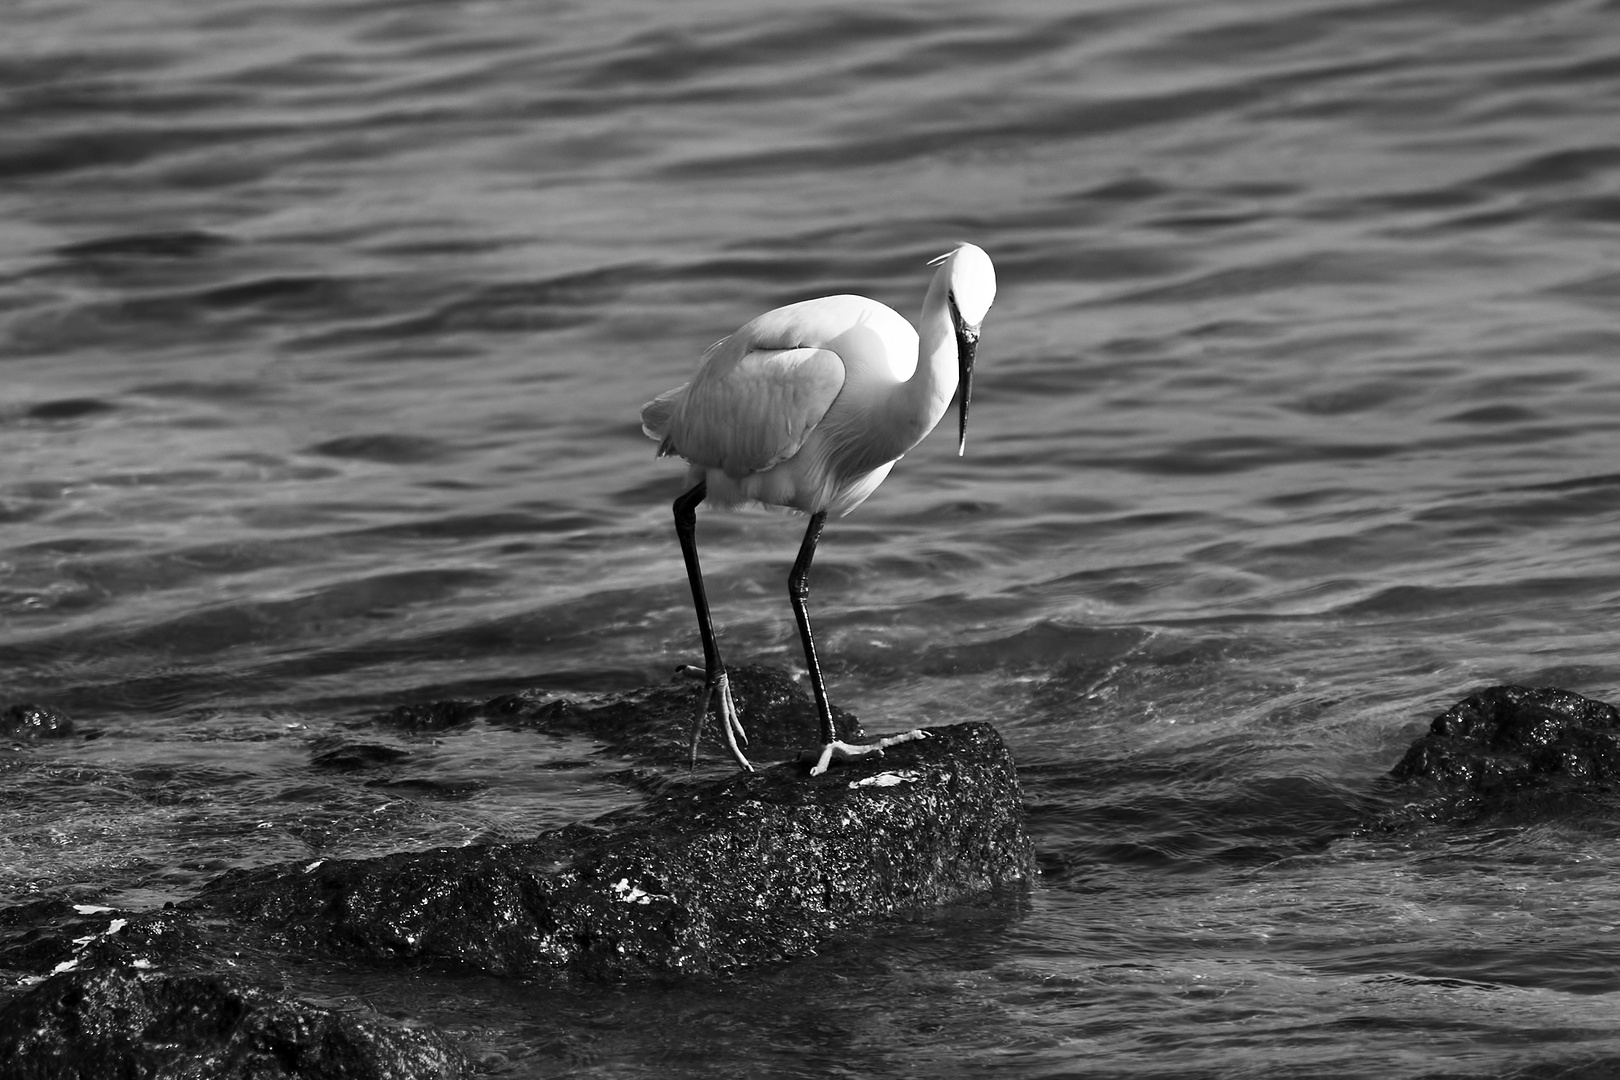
(833, 748)
(716, 684)
(798, 593)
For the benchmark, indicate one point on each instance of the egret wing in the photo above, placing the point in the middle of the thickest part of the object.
(749, 409)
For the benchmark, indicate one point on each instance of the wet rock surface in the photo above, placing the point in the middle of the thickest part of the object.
(709, 875)
(1517, 750)
(124, 1022)
(750, 869)
(52, 937)
(34, 722)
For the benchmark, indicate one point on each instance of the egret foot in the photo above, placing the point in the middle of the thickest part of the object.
(843, 751)
(718, 687)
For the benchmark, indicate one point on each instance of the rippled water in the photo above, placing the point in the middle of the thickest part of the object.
(324, 326)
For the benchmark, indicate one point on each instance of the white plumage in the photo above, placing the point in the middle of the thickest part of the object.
(808, 407)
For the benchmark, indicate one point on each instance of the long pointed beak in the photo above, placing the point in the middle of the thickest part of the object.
(967, 343)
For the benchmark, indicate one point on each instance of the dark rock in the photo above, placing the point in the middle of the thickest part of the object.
(33, 911)
(432, 715)
(1517, 749)
(352, 757)
(34, 722)
(124, 1022)
(749, 869)
(52, 936)
(430, 787)
(69, 409)
(37, 935)
(709, 876)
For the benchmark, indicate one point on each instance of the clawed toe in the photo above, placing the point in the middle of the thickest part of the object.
(718, 688)
(838, 750)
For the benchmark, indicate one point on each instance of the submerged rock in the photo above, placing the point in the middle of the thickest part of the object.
(744, 870)
(123, 1022)
(1520, 750)
(34, 722)
(352, 757)
(654, 723)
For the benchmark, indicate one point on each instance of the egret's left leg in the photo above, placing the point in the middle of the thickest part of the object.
(799, 591)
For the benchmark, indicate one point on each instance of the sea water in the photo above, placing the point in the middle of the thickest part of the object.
(323, 333)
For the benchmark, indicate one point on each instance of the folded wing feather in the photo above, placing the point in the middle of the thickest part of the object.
(747, 409)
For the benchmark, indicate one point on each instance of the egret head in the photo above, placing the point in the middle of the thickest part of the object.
(970, 289)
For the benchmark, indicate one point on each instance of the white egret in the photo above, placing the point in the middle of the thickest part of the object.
(808, 407)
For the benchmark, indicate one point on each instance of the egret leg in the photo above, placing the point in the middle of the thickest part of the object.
(716, 684)
(798, 591)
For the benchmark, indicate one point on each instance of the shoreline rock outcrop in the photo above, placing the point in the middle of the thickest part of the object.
(126, 1022)
(711, 875)
(1517, 751)
(714, 877)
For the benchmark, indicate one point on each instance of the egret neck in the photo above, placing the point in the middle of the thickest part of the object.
(918, 404)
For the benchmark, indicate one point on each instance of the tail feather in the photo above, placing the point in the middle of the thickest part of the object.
(656, 416)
